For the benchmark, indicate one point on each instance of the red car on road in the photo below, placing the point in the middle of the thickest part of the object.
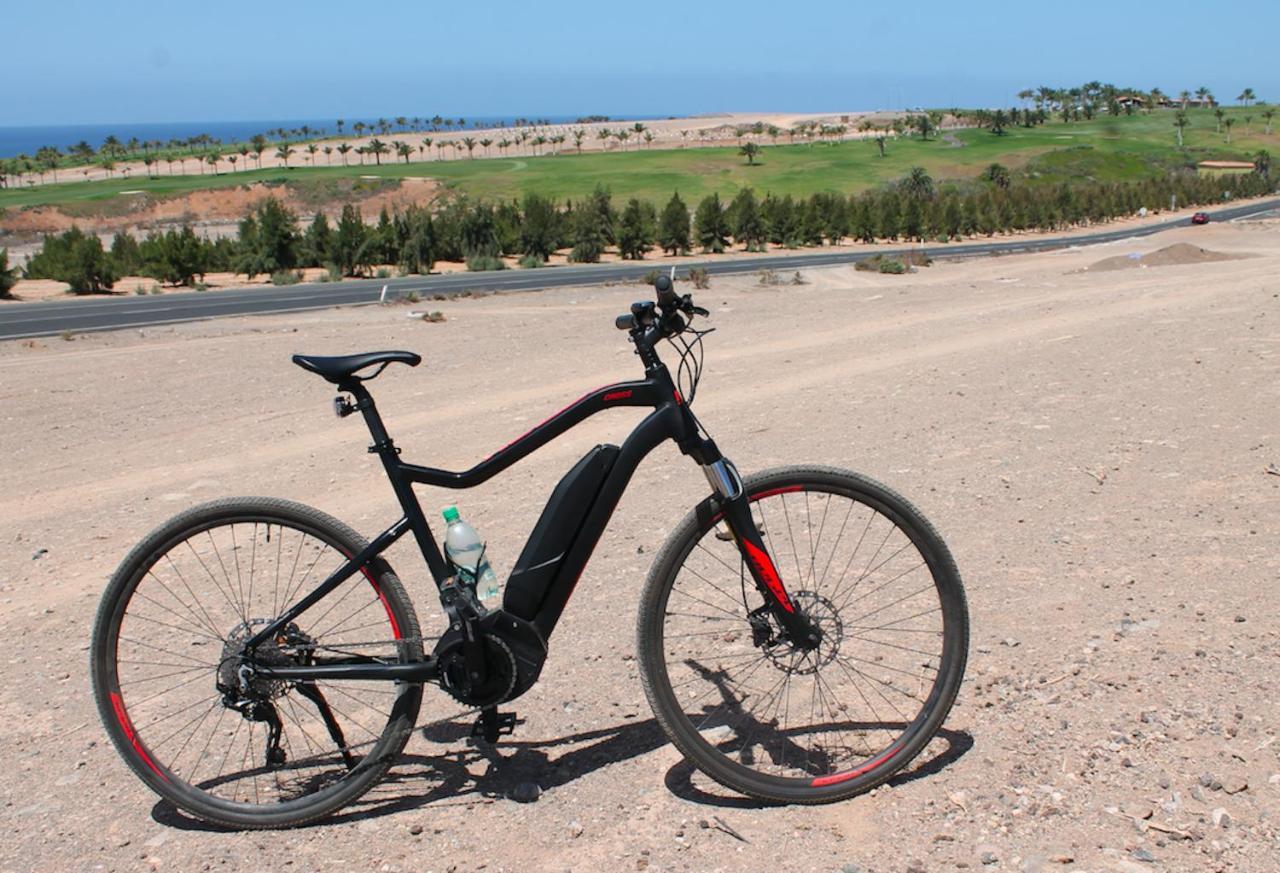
(1200, 218)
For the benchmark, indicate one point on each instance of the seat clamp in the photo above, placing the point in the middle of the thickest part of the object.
(385, 446)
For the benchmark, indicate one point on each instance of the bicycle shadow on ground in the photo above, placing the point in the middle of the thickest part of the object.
(419, 780)
(679, 779)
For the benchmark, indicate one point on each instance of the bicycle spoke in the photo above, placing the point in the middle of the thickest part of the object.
(805, 713)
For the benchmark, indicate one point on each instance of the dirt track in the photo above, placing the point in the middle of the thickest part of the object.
(1095, 449)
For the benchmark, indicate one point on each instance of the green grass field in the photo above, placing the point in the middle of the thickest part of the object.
(1107, 149)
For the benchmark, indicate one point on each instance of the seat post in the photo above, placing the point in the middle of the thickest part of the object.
(386, 450)
(364, 402)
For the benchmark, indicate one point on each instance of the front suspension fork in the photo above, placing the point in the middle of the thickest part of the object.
(802, 632)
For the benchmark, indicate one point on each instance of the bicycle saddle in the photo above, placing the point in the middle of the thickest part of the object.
(341, 367)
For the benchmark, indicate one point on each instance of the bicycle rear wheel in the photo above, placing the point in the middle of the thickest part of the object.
(770, 719)
(164, 653)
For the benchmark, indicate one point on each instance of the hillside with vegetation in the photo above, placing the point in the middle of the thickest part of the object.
(1065, 158)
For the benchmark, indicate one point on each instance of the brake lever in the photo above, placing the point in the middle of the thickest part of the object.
(687, 305)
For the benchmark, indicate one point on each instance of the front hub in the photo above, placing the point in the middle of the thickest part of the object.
(805, 658)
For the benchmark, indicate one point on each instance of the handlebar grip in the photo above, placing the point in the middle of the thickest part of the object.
(625, 322)
(666, 296)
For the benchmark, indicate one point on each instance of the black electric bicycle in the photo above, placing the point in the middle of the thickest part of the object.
(802, 633)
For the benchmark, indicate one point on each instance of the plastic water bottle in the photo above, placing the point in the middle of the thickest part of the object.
(463, 546)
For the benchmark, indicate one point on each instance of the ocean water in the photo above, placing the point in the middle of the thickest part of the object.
(26, 140)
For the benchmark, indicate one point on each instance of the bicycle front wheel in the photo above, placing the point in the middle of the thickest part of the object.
(166, 647)
(776, 721)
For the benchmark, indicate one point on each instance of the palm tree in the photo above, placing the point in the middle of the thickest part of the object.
(1262, 163)
(1184, 98)
(648, 138)
(749, 150)
(1228, 123)
(212, 160)
(623, 136)
(538, 142)
(377, 148)
(343, 148)
(470, 143)
(426, 145)
(918, 183)
(1219, 114)
(232, 159)
(604, 134)
(328, 156)
(1247, 96)
(880, 141)
(578, 135)
(1248, 125)
(259, 146)
(1268, 114)
(485, 143)
(403, 149)
(312, 148)
(1180, 121)
(283, 151)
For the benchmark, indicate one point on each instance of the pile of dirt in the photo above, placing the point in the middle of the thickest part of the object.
(1169, 256)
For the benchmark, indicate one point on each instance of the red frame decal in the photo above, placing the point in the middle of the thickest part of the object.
(617, 395)
(764, 566)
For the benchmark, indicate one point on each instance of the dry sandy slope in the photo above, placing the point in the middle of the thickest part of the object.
(1124, 638)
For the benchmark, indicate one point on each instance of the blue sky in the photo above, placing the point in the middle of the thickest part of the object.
(94, 62)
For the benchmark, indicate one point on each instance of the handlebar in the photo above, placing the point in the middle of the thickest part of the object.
(670, 314)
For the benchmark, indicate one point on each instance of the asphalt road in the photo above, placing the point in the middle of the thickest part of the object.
(117, 312)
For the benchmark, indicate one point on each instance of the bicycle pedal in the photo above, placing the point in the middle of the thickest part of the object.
(493, 724)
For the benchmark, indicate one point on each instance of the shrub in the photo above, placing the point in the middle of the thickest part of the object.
(652, 276)
(896, 264)
(8, 275)
(433, 317)
(75, 258)
(410, 297)
(700, 278)
(769, 277)
(797, 279)
(532, 262)
(268, 240)
(483, 263)
(286, 277)
(176, 256)
(382, 273)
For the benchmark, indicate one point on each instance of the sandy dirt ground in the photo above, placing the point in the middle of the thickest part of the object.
(1099, 450)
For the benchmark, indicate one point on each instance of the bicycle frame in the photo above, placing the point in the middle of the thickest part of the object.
(671, 419)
